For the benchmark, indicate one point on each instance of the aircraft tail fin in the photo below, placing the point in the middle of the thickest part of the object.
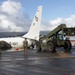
(34, 30)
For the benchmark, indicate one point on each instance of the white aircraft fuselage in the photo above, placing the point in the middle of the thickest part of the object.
(16, 42)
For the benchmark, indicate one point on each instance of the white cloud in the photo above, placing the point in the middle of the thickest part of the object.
(10, 7)
(48, 26)
(12, 18)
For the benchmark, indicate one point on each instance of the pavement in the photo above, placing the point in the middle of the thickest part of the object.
(37, 63)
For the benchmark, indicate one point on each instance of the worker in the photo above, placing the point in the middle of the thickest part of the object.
(25, 45)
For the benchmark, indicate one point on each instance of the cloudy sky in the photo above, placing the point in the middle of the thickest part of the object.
(17, 15)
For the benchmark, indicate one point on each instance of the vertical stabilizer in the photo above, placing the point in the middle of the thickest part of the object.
(34, 30)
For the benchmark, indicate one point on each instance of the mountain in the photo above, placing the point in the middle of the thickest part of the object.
(12, 34)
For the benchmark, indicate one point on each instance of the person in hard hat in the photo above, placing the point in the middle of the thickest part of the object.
(25, 45)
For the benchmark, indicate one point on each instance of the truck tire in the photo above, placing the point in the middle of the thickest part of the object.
(67, 45)
(38, 47)
(51, 46)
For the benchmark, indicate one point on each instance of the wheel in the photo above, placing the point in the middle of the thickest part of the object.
(67, 45)
(51, 46)
(32, 46)
(38, 47)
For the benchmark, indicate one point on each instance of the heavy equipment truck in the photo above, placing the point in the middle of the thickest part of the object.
(59, 37)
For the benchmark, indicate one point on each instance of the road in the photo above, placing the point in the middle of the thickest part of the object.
(33, 63)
